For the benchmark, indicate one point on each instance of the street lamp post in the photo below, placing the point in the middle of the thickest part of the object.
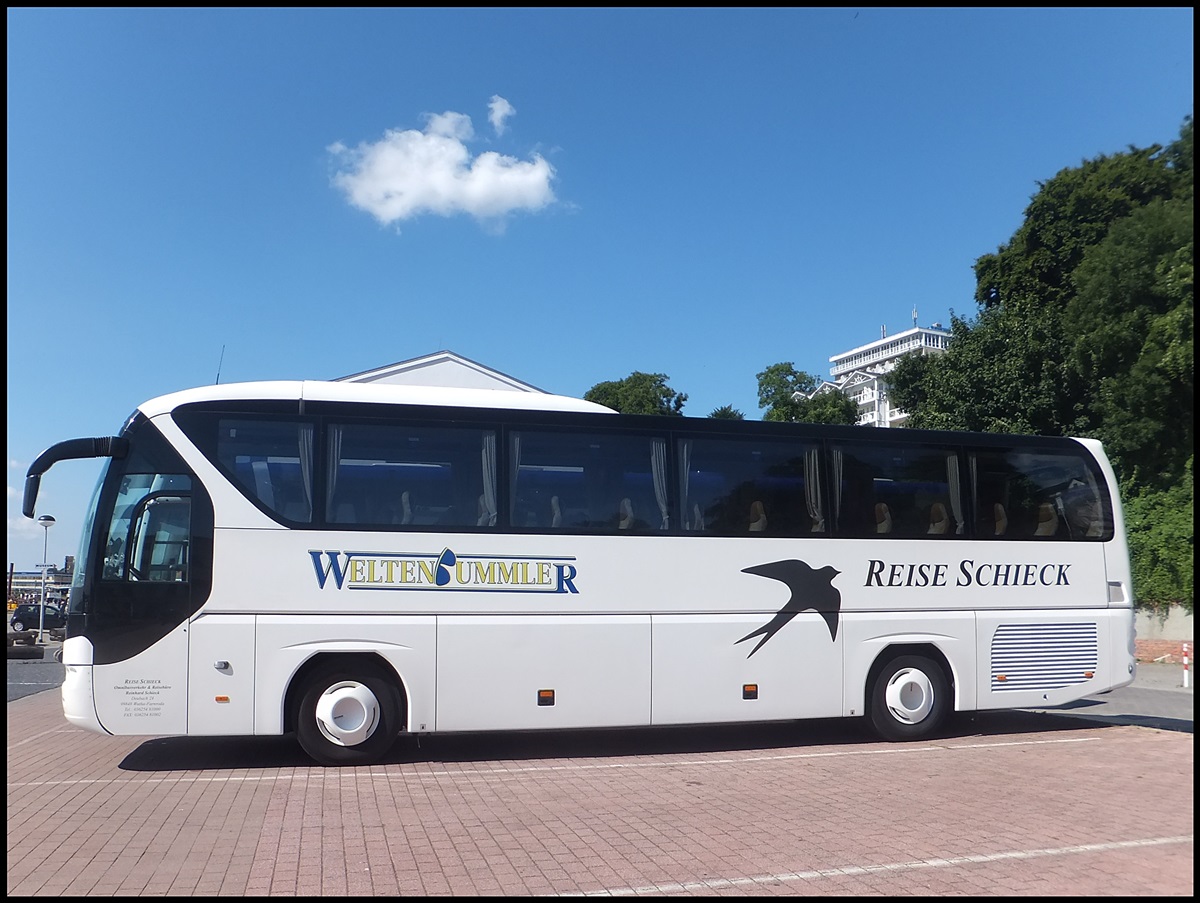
(47, 522)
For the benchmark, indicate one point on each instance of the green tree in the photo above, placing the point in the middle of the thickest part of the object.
(1086, 327)
(777, 385)
(1161, 528)
(638, 393)
(829, 407)
(999, 374)
(1130, 334)
(727, 412)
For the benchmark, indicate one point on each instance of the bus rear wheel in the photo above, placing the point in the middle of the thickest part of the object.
(910, 698)
(346, 716)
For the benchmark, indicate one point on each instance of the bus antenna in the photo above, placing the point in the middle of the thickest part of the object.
(219, 363)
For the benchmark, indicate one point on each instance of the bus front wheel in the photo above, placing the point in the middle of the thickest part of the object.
(910, 698)
(347, 717)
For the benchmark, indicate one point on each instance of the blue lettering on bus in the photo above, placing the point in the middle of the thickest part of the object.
(565, 579)
(334, 565)
(444, 563)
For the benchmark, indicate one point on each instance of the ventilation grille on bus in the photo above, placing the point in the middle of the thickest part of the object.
(1042, 656)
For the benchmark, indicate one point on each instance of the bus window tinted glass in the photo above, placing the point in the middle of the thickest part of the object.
(902, 491)
(1031, 493)
(596, 482)
(397, 476)
(149, 530)
(271, 461)
(736, 487)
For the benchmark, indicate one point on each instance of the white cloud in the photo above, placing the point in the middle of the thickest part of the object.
(499, 109)
(408, 173)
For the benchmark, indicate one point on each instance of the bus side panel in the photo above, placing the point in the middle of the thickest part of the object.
(145, 694)
(701, 669)
(221, 675)
(868, 634)
(1048, 658)
(490, 670)
(284, 642)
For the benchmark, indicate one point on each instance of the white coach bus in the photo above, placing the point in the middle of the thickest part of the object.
(352, 563)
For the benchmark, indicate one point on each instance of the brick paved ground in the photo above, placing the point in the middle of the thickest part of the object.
(1015, 804)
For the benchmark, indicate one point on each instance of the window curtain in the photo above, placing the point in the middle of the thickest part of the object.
(812, 489)
(685, 471)
(487, 517)
(658, 469)
(335, 459)
(954, 478)
(973, 464)
(306, 465)
(836, 491)
(512, 485)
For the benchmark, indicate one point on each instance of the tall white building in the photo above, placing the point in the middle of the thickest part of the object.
(860, 372)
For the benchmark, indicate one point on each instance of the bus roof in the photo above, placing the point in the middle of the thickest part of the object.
(371, 393)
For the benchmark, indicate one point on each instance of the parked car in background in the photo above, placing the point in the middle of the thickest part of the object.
(26, 618)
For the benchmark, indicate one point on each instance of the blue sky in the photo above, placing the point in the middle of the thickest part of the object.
(564, 195)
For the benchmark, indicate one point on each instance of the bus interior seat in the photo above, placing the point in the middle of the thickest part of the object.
(555, 512)
(262, 483)
(883, 518)
(625, 515)
(483, 517)
(758, 517)
(1047, 520)
(1081, 511)
(939, 521)
(1001, 519)
(697, 518)
(406, 512)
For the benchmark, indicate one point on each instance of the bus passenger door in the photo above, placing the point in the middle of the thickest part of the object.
(137, 622)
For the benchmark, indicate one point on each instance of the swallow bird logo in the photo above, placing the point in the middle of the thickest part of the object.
(812, 590)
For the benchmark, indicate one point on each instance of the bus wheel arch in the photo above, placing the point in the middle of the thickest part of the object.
(346, 708)
(909, 692)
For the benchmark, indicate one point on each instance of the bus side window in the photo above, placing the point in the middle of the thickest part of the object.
(148, 536)
(903, 491)
(1027, 492)
(159, 551)
(731, 488)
